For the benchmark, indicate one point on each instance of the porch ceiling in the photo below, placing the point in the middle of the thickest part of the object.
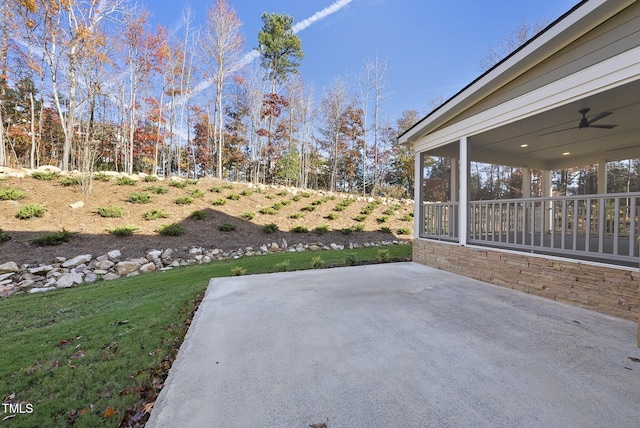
(545, 146)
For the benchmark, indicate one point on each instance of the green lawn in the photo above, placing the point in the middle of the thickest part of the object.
(96, 354)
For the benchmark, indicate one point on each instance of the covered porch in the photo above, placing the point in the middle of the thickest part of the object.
(567, 99)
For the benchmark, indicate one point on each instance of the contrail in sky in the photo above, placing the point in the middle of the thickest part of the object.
(305, 23)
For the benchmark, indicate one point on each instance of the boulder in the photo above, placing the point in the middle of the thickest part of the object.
(90, 278)
(78, 260)
(69, 280)
(40, 270)
(105, 265)
(114, 254)
(154, 255)
(9, 267)
(111, 276)
(126, 267)
(149, 267)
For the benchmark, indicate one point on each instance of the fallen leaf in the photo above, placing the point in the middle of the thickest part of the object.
(149, 406)
(109, 412)
(64, 343)
(78, 354)
(634, 359)
(83, 411)
(9, 397)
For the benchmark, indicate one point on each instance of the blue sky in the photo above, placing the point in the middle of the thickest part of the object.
(433, 48)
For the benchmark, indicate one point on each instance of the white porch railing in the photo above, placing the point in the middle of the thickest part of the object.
(600, 227)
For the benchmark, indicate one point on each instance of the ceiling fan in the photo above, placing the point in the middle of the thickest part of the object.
(587, 123)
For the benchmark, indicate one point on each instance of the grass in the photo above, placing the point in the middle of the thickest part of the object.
(218, 201)
(54, 238)
(233, 197)
(122, 231)
(30, 211)
(101, 176)
(69, 181)
(78, 352)
(196, 193)
(47, 176)
(12, 194)
(321, 230)
(150, 178)
(404, 231)
(268, 210)
(248, 215)
(331, 216)
(246, 192)
(155, 214)
(179, 184)
(111, 211)
(296, 215)
(300, 229)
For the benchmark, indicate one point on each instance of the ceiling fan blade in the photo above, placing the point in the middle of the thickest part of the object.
(599, 116)
(602, 126)
(559, 130)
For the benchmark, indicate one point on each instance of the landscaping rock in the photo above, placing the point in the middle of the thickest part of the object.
(111, 276)
(149, 267)
(76, 205)
(126, 267)
(41, 290)
(105, 265)
(69, 280)
(9, 267)
(78, 260)
(114, 255)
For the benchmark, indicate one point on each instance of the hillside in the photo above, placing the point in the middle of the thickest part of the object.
(219, 202)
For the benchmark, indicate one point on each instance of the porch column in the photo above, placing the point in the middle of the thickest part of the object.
(463, 195)
(526, 183)
(602, 177)
(418, 196)
(545, 181)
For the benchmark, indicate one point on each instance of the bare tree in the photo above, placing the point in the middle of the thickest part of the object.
(221, 42)
(332, 107)
(511, 41)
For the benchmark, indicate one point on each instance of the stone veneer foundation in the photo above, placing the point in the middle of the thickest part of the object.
(609, 289)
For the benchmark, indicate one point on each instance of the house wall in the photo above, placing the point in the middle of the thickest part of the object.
(611, 290)
(611, 38)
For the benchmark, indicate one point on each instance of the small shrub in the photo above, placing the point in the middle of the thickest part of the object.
(139, 198)
(360, 217)
(366, 210)
(12, 194)
(101, 176)
(300, 229)
(317, 262)
(383, 255)
(218, 201)
(69, 181)
(407, 217)
(198, 215)
(317, 202)
(248, 215)
(282, 266)
(268, 210)
(331, 216)
(155, 214)
(382, 219)
(215, 190)
(385, 229)
(158, 190)
(227, 186)
(270, 196)
(358, 227)
(404, 231)
(388, 211)
(305, 194)
(342, 205)
(296, 215)
(296, 198)
(111, 211)
(48, 176)
(125, 181)
(227, 227)
(246, 192)
(179, 184)
(55, 238)
(123, 231)
(30, 211)
(4, 236)
(350, 259)
(196, 193)
(173, 229)
(270, 228)
(233, 197)
(238, 271)
(184, 200)
(282, 193)
(322, 229)
(150, 178)
(308, 208)
(277, 206)
(346, 231)
(285, 202)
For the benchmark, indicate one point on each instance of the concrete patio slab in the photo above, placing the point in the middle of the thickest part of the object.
(397, 345)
